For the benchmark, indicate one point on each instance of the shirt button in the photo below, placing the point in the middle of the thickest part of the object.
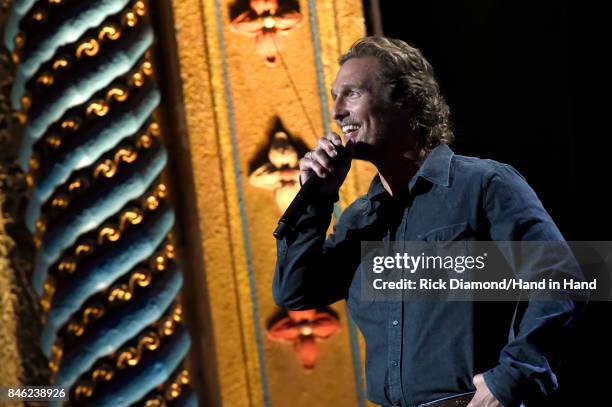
(394, 363)
(395, 323)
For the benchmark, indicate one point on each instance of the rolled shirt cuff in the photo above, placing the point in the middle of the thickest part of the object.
(505, 384)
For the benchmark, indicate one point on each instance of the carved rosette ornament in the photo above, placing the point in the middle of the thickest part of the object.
(105, 267)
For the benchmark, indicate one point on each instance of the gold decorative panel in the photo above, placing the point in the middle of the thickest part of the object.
(236, 100)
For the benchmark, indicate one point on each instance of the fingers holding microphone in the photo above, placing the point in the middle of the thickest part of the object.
(322, 172)
(319, 160)
(324, 161)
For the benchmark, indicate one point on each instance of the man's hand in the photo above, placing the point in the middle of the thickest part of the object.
(483, 396)
(319, 161)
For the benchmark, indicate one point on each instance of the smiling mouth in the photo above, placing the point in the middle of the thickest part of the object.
(350, 130)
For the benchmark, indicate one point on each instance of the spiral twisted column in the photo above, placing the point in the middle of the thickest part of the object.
(105, 266)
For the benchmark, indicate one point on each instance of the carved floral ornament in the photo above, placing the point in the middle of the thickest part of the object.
(266, 20)
(305, 329)
(281, 173)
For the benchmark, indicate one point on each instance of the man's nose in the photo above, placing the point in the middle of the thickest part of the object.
(340, 111)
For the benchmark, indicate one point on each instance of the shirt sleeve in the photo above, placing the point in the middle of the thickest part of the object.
(525, 369)
(311, 271)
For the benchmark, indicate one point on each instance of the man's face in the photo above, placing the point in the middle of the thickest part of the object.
(362, 108)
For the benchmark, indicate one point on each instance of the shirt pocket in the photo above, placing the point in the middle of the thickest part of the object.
(456, 231)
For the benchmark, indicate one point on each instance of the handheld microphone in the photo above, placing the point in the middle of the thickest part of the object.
(305, 195)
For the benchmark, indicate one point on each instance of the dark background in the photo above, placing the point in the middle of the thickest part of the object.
(521, 80)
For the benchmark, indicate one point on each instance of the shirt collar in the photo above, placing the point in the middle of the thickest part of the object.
(435, 169)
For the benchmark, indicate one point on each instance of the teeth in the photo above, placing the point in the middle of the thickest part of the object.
(349, 128)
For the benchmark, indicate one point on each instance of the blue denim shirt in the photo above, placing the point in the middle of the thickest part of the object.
(422, 351)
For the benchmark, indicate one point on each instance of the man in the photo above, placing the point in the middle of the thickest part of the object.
(391, 113)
